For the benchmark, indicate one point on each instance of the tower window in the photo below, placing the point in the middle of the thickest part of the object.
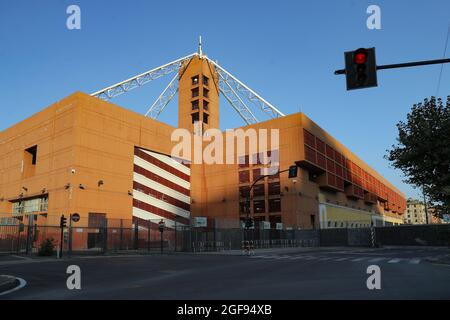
(194, 80)
(205, 80)
(195, 117)
(205, 118)
(205, 105)
(194, 92)
(205, 93)
(195, 105)
(32, 155)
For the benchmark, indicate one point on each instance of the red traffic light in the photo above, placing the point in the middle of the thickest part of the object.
(360, 56)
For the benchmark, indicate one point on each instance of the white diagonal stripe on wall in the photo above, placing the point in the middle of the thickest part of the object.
(160, 172)
(161, 188)
(145, 215)
(160, 204)
(169, 161)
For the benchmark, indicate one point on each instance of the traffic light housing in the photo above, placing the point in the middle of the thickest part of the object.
(361, 69)
(293, 171)
(63, 222)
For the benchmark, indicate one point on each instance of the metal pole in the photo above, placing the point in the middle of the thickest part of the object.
(425, 205)
(148, 235)
(161, 242)
(403, 65)
(61, 243)
(70, 235)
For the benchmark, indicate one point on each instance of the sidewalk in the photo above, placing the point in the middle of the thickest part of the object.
(269, 251)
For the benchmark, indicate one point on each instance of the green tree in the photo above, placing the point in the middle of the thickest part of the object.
(422, 151)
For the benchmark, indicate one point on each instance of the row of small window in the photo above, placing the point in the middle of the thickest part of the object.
(195, 80)
(259, 190)
(196, 92)
(196, 117)
(259, 206)
(196, 105)
(258, 158)
(244, 176)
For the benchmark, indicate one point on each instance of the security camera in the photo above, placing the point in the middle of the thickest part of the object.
(73, 171)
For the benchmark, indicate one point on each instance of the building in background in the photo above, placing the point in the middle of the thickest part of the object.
(113, 167)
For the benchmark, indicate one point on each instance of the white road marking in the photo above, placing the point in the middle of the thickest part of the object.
(396, 260)
(414, 261)
(22, 283)
(359, 259)
(376, 259)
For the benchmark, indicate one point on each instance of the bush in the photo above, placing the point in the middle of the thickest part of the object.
(47, 248)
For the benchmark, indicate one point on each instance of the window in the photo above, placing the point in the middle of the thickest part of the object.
(195, 92)
(259, 206)
(274, 205)
(205, 118)
(276, 175)
(244, 176)
(205, 105)
(274, 188)
(242, 208)
(31, 155)
(258, 190)
(243, 161)
(205, 93)
(244, 191)
(205, 80)
(194, 80)
(28, 206)
(256, 174)
(195, 117)
(195, 105)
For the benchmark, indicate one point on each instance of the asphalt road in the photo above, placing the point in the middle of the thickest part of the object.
(314, 274)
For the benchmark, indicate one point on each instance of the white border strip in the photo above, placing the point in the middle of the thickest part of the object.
(161, 172)
(22, 283)
(161, 204)
(139, 178)
(169, 161)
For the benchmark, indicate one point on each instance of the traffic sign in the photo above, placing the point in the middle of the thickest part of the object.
(75, 217)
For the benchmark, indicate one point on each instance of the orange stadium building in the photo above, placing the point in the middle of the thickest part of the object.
(88, 156)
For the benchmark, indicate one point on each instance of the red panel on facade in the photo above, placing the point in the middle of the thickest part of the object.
(309, 138)
(321, 162)
(310, 154)
(330, 166)
(330, 152)
(320, 145)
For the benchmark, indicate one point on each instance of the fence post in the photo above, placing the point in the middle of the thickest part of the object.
(175, 236)
(105, 237)
(136, 234)
(372, 236)
(148, 234)
(121, 235)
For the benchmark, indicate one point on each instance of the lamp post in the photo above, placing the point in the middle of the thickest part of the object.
(247, 202)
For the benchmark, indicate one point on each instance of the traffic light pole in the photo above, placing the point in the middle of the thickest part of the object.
(403, 65)
(247, 202)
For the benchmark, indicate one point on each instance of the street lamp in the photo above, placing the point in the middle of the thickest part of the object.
(293, 171)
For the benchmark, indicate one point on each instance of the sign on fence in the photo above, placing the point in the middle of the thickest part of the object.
(200, 222)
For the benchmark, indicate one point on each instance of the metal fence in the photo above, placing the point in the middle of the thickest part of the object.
(19, 236)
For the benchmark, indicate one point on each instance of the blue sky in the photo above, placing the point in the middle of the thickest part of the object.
(284, 50)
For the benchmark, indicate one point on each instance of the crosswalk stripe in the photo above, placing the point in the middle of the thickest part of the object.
(376, 259)
(359, 259)
(325, 258)
(414, 261)
(394, 260)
